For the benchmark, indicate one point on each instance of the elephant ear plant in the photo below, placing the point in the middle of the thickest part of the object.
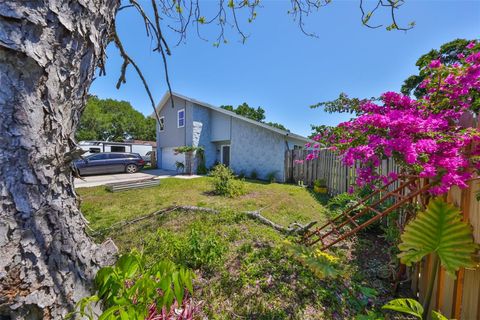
(439, 231)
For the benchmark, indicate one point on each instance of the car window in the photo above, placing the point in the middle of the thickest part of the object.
(116, 156)
(98, 157)
(132, 155)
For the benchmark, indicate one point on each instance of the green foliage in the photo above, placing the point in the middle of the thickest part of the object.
(342, 201)
(197, 249)
(319, 262)
(201, 168)
(371, 315)
(440, 230)
(185, 149)
(408, 306)
(225, 183)
(200, 154)
(277, 125)
(108, 119)
(255, 114)
(245, 110)
(180, 166)
(271, 176)
(254, 174)
(241, 175)
(321, 183)
(130, 288)
(343, 104)
(448, 55)
(411, 307)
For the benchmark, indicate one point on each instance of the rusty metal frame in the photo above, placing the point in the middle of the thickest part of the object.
(410, 181)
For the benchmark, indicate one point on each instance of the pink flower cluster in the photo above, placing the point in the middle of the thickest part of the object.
(424, 135)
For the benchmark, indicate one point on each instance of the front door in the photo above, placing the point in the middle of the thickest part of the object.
(226, 155)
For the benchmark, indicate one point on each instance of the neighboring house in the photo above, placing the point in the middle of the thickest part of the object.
(240, 143)
(135, 146)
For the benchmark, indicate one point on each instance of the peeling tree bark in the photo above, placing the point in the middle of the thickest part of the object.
(48, 53)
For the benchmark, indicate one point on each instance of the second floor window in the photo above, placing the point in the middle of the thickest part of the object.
(181, 118)
(162, 123)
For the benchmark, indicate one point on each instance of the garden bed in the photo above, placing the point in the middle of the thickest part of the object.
(244, 268)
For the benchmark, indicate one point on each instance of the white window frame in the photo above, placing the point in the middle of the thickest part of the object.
(162, 122)
(178, 118)
(229, 153)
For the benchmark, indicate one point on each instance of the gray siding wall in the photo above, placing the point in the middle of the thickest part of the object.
(201, 132)
(220, 126)
(173, 136)
(295, 142)
(256, 148)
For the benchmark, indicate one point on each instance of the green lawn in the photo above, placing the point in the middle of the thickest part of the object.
(243, 268)
(282, 203)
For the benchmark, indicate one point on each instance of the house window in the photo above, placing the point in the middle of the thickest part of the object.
(181, 118)
(117, 149)
(162, 124)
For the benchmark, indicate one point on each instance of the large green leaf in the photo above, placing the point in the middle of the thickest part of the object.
(409, 306)
(439, 229)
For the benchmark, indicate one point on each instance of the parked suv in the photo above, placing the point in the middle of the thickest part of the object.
(110, 162)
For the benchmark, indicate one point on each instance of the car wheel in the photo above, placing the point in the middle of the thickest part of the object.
(131, 168)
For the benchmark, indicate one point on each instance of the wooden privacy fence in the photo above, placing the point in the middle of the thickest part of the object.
(327, 166)
(455, 298)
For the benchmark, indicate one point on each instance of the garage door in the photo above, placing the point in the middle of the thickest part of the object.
(169, 158)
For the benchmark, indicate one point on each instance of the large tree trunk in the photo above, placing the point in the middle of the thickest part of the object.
(48, 53)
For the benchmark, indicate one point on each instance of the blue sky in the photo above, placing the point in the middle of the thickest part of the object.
(281, 69)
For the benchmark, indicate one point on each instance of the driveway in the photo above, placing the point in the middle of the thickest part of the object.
(99, 180)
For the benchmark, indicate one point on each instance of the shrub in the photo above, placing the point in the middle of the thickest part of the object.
(224, 182)
(321, 183)
(241, 175)
(254, 174)
(271, 176)
(180, 166)
(198, 249)
(201, 168)
(342, 201)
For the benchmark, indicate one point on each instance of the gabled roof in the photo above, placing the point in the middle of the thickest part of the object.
(166, 96)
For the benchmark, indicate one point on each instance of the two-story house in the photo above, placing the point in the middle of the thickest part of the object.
(240, 143)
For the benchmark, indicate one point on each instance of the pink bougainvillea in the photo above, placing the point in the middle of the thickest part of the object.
(423, 135)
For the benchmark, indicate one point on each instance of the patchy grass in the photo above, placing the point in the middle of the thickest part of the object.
(243, 268)
(281, 203)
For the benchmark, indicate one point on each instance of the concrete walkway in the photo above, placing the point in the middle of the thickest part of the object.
(100, 180)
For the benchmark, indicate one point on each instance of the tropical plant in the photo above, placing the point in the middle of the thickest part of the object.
(440, 231)
(133, 290)
(225, 183)
(411, 307)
